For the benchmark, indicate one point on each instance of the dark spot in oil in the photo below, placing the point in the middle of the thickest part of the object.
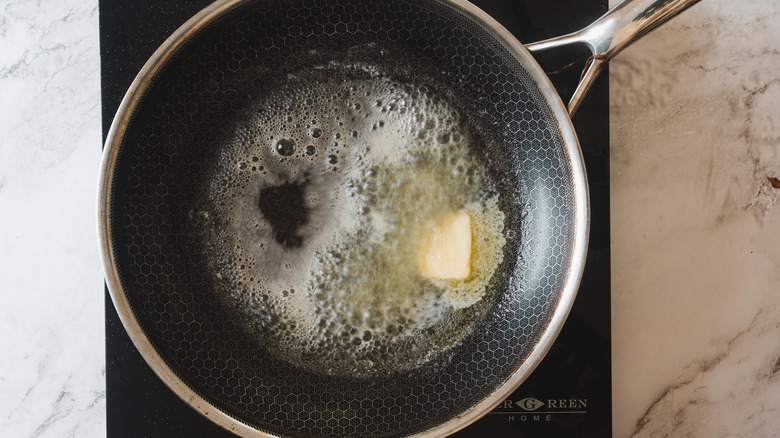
(285, 210)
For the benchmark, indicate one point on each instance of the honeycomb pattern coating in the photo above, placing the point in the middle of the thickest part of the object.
(159, 190)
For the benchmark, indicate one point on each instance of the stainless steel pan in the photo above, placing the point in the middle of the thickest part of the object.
(157, 184)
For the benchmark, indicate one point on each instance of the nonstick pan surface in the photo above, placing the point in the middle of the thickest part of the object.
(165, 148)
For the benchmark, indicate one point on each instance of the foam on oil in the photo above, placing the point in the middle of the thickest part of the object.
(321, 200)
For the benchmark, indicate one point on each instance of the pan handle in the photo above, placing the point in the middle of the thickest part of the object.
(625, 23)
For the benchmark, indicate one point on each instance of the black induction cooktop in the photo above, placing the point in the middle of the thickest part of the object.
(569, 394)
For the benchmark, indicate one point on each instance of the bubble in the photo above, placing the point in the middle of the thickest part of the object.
(316, 132)
(332, 159)
(310, 149)
(286, 147)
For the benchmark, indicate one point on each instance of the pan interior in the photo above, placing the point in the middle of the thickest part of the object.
(167, 215)
(318, 206)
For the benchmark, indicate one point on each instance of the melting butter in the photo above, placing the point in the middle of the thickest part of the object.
(446, 249)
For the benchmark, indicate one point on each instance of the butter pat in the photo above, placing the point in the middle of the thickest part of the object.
(446, 249)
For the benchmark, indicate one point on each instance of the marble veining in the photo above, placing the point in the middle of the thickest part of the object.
(695, 143)
(731, 393)
(51, 296)
(695, 225)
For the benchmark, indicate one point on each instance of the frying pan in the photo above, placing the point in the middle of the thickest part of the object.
(161, 245)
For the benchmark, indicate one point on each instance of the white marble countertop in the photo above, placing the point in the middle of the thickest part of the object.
(695, 136)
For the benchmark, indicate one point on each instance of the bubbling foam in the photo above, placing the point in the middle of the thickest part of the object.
(321, 200)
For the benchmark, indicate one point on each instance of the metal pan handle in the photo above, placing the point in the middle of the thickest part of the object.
(625, 23)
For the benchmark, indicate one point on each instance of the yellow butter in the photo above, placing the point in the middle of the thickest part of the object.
(446, 249)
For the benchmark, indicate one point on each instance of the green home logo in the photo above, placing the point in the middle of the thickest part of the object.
(533, 409)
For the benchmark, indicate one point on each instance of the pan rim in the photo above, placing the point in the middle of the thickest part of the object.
(110, 156)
